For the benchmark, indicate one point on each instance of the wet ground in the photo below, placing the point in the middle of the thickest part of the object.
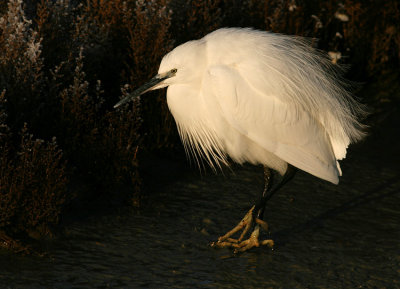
(326, 236)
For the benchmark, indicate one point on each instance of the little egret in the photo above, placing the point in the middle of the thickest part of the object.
(244, 95)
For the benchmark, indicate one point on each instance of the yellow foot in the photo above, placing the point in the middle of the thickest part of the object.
(245, 224)
(252, 242)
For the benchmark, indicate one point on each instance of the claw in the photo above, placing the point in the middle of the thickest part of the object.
(253, 242)
(245, 224)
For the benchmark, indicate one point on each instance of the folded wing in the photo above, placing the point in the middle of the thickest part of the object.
(278, 126)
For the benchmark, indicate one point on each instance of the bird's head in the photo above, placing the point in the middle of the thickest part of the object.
(183, 65)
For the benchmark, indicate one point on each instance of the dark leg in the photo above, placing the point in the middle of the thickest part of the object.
(273, 182)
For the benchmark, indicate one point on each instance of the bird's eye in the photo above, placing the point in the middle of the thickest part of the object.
(174, 70)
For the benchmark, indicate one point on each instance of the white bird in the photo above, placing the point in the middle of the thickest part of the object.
(244, 95)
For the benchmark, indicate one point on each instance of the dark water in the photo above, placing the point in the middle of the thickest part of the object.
(326, 236)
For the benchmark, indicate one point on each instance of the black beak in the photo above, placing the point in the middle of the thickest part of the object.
(151, 84)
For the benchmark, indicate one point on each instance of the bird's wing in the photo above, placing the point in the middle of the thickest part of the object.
(278, 126)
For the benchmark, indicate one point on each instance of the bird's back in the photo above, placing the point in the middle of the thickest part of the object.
(289, 68)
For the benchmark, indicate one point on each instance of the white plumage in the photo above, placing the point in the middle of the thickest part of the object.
(262, 98)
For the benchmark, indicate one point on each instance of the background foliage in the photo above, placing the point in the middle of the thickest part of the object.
(64, 63)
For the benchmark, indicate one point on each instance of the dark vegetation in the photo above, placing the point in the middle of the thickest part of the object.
(63, 64)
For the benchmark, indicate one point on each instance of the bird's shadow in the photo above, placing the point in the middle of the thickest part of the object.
(287, 235)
